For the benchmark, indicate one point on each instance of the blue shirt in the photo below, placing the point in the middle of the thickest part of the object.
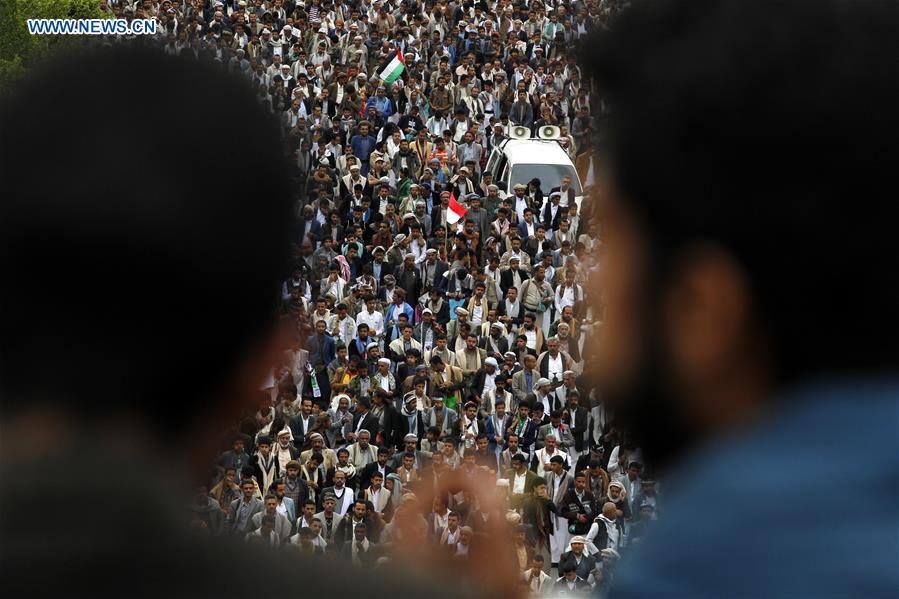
(393, 313)
(385, 108)
(321, 351)
(806, 504)
(363, 146)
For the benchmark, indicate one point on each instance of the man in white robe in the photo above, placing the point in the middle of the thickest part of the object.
(557, 480)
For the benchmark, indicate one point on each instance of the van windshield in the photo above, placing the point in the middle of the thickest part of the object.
(550, 176)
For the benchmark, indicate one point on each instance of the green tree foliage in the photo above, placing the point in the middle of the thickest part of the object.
(18, 49)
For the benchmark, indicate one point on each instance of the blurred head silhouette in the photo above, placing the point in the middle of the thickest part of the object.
(144, 227)
(748, 184)
(144, 223)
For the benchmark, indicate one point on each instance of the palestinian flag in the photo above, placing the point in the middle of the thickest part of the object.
(393, 70)
(455, 212)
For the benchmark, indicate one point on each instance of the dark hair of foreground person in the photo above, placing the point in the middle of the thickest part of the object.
(144, 227)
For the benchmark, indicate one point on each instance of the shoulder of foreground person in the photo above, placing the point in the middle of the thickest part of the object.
(115, 526)
(804, 505)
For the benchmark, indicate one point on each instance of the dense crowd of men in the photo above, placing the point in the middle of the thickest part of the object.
(433, 389)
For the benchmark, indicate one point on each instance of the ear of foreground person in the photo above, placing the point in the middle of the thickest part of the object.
(750, 331)
(139, 260)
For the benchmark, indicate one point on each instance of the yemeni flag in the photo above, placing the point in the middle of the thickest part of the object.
(455, 212)
(393, 70)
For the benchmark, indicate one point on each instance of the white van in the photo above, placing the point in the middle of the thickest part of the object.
(515, 161)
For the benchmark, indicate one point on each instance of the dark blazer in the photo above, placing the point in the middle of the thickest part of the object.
(375, 205)
(570, 193)
(409, 281)
(502, 344)
(386, 269)
(491, 432)
(278, 80)
(404, 428)
(526, 438)
(440, 268)
(551, 223)
(451, 284)
(522, 114)
(365, 475)
(459, 432)
(392, 434)
(408, 120)
(257, 469)
(435, 216)
(523, 228)
(353, 349)
(442, 316)
(370, 423)
(571, 508)
(343, 534)
(434, 531)
(423, 459)
(534, 246)
(327, 230)
(320, 352)
(578, 431)
(581, 586)
(331, 108)
(367, 559)
(299, 438)
(505, 281)
(351, 483)
(231, 459)
(543, 364)
(477, 382)
(529, 50)
(403, 372)
(315, 230)
(583, 462)
(536, 203)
